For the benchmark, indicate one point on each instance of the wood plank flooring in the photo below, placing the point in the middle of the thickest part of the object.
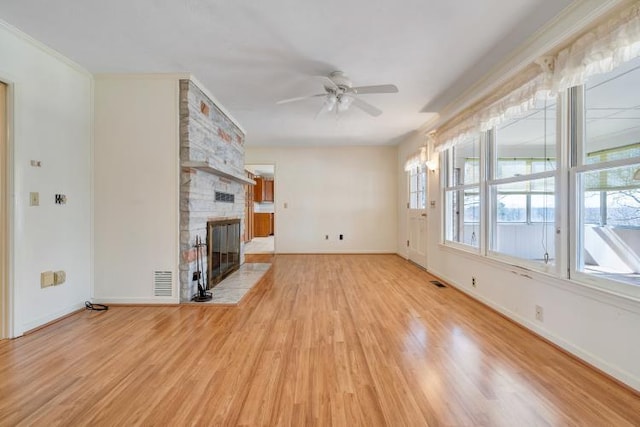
(343, 340)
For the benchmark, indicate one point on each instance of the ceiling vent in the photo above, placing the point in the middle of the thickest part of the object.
(162, 284)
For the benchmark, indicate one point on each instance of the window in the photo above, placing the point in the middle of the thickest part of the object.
(462, 193)
(554, 182)
(607, 176)
(417, 188)
(522, 186)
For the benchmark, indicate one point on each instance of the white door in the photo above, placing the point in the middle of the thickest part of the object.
(417, 216)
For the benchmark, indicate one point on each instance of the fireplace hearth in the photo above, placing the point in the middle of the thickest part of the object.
(223, 243)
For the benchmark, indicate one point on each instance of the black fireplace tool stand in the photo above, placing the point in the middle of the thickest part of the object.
(198, 276)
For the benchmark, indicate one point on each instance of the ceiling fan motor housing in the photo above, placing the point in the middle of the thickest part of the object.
(341, 80)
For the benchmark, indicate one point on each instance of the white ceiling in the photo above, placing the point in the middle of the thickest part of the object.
(250, 54)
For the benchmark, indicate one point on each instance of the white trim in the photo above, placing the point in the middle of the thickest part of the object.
(137, 300)
(588, 357)
(461, 247)
(92, 181)
(524, 178)
(44, 48)
(49, 318)
(611, 164)
(10, 327)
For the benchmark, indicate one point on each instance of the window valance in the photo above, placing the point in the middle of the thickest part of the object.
(513, 99)
(599, 50)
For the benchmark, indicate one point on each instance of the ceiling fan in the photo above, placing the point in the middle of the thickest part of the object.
(340, 94)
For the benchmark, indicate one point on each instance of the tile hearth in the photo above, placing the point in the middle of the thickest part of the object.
(233, 288)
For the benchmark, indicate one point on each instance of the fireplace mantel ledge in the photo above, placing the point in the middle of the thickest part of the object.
(210, 168)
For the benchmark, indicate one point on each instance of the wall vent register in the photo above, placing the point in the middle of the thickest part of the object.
(225, 197)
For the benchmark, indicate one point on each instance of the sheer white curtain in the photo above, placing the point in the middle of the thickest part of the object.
(599, 50)
(513, 99)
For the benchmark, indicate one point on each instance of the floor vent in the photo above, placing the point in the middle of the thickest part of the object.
(438, 283)
(162, 284)
(225, 197)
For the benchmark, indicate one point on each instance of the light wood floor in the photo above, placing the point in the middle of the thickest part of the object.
(322, 340)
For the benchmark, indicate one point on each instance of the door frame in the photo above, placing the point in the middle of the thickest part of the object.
(6, 208)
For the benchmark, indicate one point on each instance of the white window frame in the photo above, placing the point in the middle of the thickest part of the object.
(577, 166)
(492, 184)
(446, 159)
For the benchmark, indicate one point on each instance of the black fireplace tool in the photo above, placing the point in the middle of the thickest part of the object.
(203, 295)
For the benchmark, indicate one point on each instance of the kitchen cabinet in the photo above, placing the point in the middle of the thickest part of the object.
(262, 224)
(263, 190)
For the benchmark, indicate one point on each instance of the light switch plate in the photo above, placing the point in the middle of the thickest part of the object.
(34, 198)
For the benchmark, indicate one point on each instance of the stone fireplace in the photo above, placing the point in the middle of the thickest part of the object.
(212, 180)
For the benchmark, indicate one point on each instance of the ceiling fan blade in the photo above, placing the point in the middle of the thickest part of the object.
(374, 89)
(299, 98)
(329, 83)
(366, 107)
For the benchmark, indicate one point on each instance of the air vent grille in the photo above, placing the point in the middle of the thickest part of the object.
(162, 284)
(437, 283)
(225, 197)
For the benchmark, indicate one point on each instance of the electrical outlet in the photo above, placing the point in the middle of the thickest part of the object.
(46, 279)
(326, 237)
(473, 281)
(342, 237)
(59, 277)
(539, 314)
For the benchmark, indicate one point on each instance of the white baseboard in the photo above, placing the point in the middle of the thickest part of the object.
(140, 300)
(612, 370)
(28, 326)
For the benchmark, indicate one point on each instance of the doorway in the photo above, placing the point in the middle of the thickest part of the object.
(417, 216)
(261, 212)
(4, 214)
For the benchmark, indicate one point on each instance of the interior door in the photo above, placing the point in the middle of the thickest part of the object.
(417, 216)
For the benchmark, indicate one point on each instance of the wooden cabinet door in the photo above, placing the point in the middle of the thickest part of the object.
(262, 224)
(267, 191)
(258, 190)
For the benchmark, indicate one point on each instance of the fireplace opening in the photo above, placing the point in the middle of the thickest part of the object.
(223, 243)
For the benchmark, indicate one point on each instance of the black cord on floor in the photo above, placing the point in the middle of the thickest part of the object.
(96, 307)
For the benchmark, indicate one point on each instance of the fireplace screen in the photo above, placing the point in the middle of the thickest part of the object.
(223, 243)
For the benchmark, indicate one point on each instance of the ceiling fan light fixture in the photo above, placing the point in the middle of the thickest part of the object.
(344, 102)
(330, 101)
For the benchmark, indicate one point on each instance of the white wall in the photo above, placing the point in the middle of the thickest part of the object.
(599, 328)
(333, 191)
(51, 110)
(136, 174)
